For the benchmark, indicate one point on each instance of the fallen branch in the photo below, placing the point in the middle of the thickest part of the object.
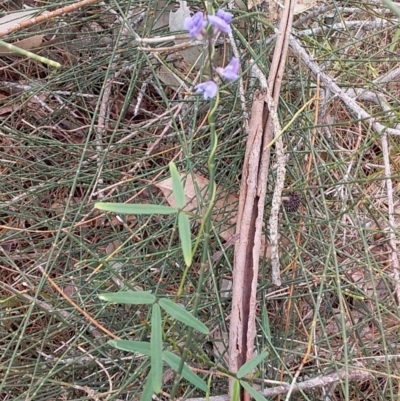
(317, 382)
(357, 111)
(47, 15)
(378, 23)
(392, 226)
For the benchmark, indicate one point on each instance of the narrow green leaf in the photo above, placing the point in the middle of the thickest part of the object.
(147, 390)
(392, 6)
(124, 208)
(156, 348)
(177, 186)
(255, 394)
(129, 297)
(185, 237)
(143, 347)
(236, 391)
(250, 365)
(265, 322)
(181, 314)
(174, 361)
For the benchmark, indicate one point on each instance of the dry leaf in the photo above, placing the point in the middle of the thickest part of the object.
(176, 23)
(12, 19)
(303, 5)
(168, 77)
(9, 109)
(160, 14)
(225, 208)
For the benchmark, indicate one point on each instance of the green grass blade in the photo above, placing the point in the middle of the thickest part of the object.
(181, 314)
(142, 347)
(129, 297)
(392, 6)
(147, 390)
(124, 208)
(156, 348)
(174, 360)
(265, 322)
(255, 394)
(177, 186)
(250, 365)
(185, 237)
(235, 391)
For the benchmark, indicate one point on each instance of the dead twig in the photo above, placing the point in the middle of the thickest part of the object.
(47, 15)
(317, 382)
(353, 107)
(391, 216)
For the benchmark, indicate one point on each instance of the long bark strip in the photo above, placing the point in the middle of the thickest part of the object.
(251, 206)
(248, 248)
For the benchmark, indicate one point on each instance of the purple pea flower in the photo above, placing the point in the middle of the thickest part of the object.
(221, 22)
(227, 17)
(230, 72)
(208, 89)
(195, 25)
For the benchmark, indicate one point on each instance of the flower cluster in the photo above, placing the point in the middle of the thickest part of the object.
(220, 22)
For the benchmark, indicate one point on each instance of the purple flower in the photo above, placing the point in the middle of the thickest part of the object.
(219, 23)
(207, 89)
(230, 72)
(195, 25)
(227, 17)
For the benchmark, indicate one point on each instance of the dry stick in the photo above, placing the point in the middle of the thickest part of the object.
(317, 12)
(389, 77)
(378, 23)
(318, 382)
(370, 97)
(321, 382)
(391, 216)
(47, 15)
(354, 108)
(274, 85)
(242, 95)
(104, 114)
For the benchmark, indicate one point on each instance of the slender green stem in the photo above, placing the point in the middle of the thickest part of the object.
(205, 227)
(212, 191)
(30, 55)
